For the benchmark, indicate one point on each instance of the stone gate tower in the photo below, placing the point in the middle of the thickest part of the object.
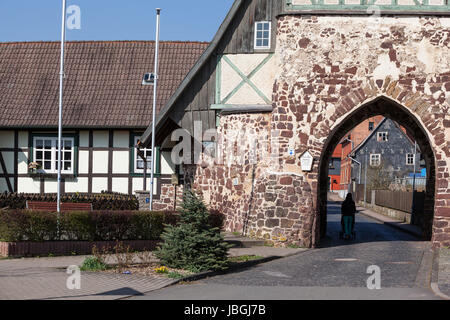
(283, 81)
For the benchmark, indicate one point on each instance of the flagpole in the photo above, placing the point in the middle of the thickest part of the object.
(61, 82)
(158, 11)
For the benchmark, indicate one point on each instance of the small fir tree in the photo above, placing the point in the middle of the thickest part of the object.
(193, 244)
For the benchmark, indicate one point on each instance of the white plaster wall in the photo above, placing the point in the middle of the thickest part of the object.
(121, 162)
(139, 185)
(22, 159)
(100, 161)
(121, 139)
(28, 185)
(301, 2)
(6, 139)
(8, 157)
(120, 185)
(100, 139)
(23, 139)
(167, 167)
(84, 138)
(77, 185)
(50, 186)
(99, 184)
(246, 63)
(83, 161)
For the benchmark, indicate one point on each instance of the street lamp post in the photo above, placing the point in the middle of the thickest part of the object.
(152, 165)
(414, 184)
(61, 83)
(365, 176)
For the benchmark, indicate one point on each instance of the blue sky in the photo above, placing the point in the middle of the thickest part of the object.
(32, 20)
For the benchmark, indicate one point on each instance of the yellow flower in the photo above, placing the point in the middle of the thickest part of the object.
(162, 269)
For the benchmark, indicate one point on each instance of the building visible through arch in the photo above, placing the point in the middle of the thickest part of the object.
(389, 108)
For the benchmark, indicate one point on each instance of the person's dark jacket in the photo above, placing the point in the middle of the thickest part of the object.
(348, 208)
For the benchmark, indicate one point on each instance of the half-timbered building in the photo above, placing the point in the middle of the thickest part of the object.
(106, 108)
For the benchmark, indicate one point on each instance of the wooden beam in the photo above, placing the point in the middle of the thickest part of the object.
(5, 171)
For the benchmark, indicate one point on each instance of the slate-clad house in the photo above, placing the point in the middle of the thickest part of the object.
(106, 109)
(291, 78)
(388, 151)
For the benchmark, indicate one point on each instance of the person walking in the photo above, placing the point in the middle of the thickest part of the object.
(348, 209)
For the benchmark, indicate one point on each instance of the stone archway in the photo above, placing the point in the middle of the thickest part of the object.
(382, 105)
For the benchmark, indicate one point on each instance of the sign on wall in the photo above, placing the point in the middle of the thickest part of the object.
(306, 161)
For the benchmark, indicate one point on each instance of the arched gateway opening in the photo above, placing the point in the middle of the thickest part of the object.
(390, 109)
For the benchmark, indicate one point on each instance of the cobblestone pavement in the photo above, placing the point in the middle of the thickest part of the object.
(45, 278)
(336, 270)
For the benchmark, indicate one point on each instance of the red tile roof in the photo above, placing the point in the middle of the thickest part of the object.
(103, 83)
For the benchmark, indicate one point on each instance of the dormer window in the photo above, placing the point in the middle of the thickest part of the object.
(262, 34)
(382, 136)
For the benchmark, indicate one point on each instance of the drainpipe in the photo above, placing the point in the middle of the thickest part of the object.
(359, 163)
(347, 139)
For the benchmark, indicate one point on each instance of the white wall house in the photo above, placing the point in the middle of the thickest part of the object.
(106, 109)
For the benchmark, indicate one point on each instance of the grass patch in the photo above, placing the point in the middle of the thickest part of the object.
(174, 275)
(93, 264)
(235, 233)
(243, 258)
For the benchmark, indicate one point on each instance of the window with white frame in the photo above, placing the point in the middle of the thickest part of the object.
(375, 159)
(139, 162)
(382, 136)
(262, 34)
(410, 159)
(45, 154)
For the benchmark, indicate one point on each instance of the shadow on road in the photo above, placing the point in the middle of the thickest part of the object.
(367, 229)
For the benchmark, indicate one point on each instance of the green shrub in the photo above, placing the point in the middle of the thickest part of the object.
(77, 225)
(193, 244)
(101, 201)
(148, 226)
(93, 264)
(29, 225)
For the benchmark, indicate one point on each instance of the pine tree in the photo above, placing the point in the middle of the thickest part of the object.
(193, 244)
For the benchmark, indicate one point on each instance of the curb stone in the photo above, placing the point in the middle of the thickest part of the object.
(435, 277)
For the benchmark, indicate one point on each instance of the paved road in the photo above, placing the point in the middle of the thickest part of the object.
(337, 270)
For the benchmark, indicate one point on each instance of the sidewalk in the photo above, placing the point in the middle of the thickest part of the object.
(443, 272)
(45, 278)
(404, 226)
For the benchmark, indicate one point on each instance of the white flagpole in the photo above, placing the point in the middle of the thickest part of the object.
(61, 80)
(158, 11)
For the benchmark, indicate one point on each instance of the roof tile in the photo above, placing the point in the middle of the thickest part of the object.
(103, 83)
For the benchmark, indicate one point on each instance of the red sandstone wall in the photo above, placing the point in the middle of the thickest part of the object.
(332, 68)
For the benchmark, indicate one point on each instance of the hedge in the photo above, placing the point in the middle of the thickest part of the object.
(101, 201)
(101, 225)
